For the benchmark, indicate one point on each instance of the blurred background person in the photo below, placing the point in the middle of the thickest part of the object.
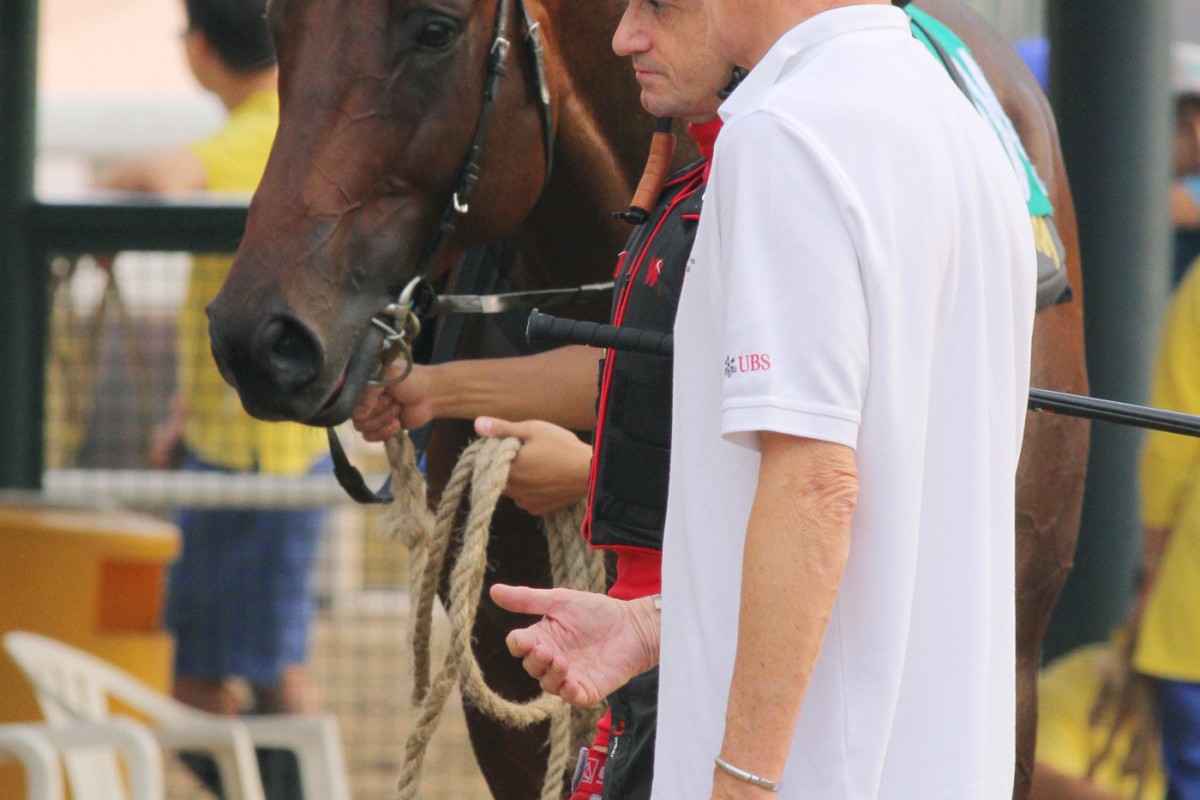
(1185, 190)
(1168, 639)
(1097, 736)
(239, 597)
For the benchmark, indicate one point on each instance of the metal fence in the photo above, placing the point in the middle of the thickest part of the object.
(109, 375)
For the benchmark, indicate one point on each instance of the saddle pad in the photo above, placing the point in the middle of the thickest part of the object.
(939, 40)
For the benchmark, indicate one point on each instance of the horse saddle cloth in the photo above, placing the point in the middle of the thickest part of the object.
(1052, 286)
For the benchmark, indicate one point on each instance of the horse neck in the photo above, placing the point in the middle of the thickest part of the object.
(603, 137)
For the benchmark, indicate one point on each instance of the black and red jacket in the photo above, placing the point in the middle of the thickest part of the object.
(627, 489)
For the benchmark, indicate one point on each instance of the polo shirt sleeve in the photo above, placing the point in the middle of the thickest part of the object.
(795, 316)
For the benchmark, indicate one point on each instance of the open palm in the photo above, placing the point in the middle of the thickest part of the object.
(586, 645)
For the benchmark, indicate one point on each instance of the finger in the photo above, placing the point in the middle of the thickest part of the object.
(521, 599)
(573, 693)
(494, 428)
(382, 433)
(555, 672)
(377, 429)
(520, 642)
(370, 412)
(538, 664)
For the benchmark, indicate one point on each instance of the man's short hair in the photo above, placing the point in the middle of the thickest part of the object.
(236, 29)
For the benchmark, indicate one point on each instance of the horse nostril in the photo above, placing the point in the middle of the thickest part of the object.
(290, 352)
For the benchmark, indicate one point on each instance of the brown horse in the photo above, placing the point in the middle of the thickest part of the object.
(379, 102)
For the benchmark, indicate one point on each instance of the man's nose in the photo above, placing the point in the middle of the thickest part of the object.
(629, 37)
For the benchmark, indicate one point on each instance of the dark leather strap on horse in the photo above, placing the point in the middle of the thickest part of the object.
(537, 53)
(468, 177)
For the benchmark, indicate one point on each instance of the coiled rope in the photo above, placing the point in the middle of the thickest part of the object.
(483, 469)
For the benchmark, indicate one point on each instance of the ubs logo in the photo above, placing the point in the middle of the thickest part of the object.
(752, 362)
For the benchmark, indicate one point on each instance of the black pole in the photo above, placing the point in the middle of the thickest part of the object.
(23, 277)
(1109, 83)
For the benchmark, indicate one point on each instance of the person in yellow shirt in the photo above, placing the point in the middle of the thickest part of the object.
(238, 598)
(1097, 736)
(1168, 646)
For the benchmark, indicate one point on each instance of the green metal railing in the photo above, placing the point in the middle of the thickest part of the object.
(30, 231)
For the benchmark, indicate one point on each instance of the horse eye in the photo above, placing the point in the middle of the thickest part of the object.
(437, 35)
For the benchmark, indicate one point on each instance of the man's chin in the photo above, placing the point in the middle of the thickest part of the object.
(658, 106)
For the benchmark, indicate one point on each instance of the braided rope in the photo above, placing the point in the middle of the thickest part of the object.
(483, 468)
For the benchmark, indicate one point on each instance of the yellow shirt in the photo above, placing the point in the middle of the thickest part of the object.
(217, 429)
(1169, 638)
(1067, 691)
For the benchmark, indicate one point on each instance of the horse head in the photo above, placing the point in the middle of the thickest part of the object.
(384, 140)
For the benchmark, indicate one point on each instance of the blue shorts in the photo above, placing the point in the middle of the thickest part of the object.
(1179, 710)
(239, 599)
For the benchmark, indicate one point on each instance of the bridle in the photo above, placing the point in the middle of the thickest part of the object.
(398, 321)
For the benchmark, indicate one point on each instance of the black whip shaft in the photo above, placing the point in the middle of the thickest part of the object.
(555, 330)
(547, 329)
(1075, 405)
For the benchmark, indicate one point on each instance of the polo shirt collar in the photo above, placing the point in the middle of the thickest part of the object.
(814, 31)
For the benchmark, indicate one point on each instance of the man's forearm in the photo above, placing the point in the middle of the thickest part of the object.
(558, 386)
(797, 543)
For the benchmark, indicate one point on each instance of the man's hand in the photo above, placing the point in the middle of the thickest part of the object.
(383, 411)
(550, 471)
(586, 645)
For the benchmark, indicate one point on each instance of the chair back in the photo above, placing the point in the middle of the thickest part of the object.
(72, 685)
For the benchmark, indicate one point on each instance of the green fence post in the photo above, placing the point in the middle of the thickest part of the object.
(22, 273)
(1110, 86)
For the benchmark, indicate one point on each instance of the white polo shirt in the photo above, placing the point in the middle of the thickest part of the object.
(864, 274)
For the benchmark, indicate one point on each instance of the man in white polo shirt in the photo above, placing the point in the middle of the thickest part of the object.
(851, 372)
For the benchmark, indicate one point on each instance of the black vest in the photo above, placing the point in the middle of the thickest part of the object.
(627, 494)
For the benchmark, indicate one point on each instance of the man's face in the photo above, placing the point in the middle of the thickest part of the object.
(679, 75)
(730, 33)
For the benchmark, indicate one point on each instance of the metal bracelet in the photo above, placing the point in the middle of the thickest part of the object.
(748, 777)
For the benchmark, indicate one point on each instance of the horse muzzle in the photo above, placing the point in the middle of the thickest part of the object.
(281, 368)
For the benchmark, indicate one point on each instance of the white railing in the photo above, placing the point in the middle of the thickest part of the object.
(339, 571)
(153, 490)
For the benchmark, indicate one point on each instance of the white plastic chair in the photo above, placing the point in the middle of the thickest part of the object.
(72, 684)
(27, 744)
(38, 746)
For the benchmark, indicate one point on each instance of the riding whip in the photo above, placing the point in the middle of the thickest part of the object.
(658, 166)
(547, 329)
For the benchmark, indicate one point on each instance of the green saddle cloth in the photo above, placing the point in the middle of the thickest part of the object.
(971, 78)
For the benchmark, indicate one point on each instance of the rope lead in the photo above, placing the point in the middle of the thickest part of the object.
(482, 470)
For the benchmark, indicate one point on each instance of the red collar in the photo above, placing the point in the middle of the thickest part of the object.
(705, 134)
